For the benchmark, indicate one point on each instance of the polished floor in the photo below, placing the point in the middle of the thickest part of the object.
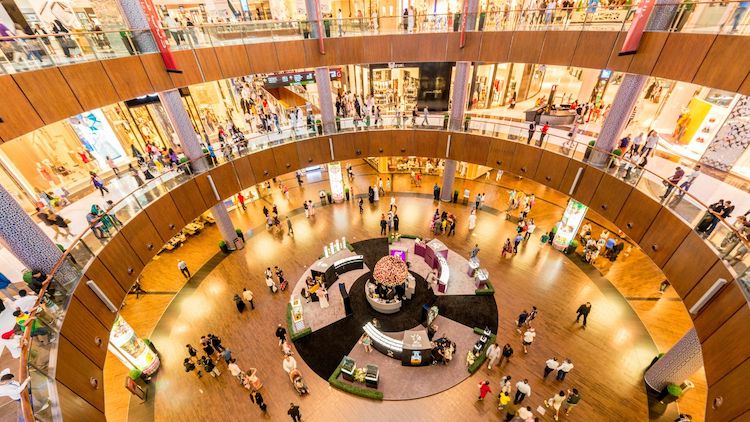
(626, 328)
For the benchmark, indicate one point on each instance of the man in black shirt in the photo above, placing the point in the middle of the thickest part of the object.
(294, 412)
(281, 333)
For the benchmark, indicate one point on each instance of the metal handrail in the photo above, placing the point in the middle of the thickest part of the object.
(26, 405)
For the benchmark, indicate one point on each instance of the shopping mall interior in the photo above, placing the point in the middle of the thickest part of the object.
(379, 210)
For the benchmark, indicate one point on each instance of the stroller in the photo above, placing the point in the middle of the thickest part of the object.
(299, 384)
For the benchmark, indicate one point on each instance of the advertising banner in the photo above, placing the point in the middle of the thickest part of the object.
(633, 39)
(159, 35)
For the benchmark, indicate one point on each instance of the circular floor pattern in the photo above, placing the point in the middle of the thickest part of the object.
(323, 349)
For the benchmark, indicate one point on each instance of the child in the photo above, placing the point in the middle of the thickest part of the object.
(484, 389)
(503, 400)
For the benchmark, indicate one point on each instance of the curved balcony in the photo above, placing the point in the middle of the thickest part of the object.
(69, 372)
(107, 67)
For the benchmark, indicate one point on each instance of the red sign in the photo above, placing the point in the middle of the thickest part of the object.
(462, 42)
(319, 23)
(159, 36)
(633, 39)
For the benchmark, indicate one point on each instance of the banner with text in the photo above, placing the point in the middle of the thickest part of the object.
(159, 35)
(633, 39)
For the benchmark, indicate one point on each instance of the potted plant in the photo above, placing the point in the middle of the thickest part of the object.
(329, 195)
(338, 123)
(134, 374)
(572, 247)
(319, 126)
(455, 197)
(240, 234)
(446, 121)
(346, 193)
(223, 246)
(614, 157)
(670, 393)
(467, 119)
(589, 148)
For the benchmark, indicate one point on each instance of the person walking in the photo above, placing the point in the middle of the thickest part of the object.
(563, 369)
(545, 129)
(383, 225)
(502, 400)
(425, 116)
(289, 363)
(532, 315)
(521, 320)
(484, 389)
(530, 227)
(395, 222)
(182, 266)
(516, 242)
(361, 206)
(550, 366)
(493, 355)
(673, 181)
(98, 183)
(532, 129)
(239, 303)
(573, 398)
(523, 390)
(294, 409)
(507, 353)
(556, 402)
(474, 251)
(685, 186)
(289, 227)
(583, 311)
(528, 338)
(270, 284)
(248, 296)
(281, 334)
(257, 398)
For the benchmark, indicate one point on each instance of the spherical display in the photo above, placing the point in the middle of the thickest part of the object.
(390, 271)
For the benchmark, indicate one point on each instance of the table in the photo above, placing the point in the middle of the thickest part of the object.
(381, 305)
(417, 348)
(387, 345)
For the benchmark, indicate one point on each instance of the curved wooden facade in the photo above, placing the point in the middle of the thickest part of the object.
(690, 263)
(37, 98)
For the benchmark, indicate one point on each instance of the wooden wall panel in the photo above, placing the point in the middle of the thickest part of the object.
(609, 197)
(426, 143)
(689, 263)
(165, 217)
(343, 147)
(616, 61)
(209, 64)
(263, 165)
(90, 84)
(157, 72)
(83, 330)
(244, 172)
(570, 174)
(470, 148)
(362, 144)
(419, 48)
(290, 54)
(188, 200)
(526, 46)
(587, 185)
(717, 271)
(187, 62)
(121, 261)
(378, 49)
(233, 61)
(74, 408)
(349, 50)
(286, 158)
(648, 52)
(682, 55)
(263, 57)
(225, 180)
(745, 88)
(592, 48)
(470, 51)
(107, 283)
(313, 58)
(663, 237)
(559, 46)
(142, 237)
(728, 347)
(495, 46)
(381, 142)
(501, 154)
(526, 160)
(720, 308)
(312, 152)
(128, 77)
(551, 169)
(733, 390)
(726, 64)
(75, 371)
(401, 143)
(637, 213)
(20, 118)
(48, 92)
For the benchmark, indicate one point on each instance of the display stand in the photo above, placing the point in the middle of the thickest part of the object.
(297, 315)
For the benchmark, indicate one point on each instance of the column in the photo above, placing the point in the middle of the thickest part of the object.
(311, 6)
(325, 100)
(455, 122)
(619, 116)
(589, 78)
(732, 139)
(24, 238)
(183, 127)
(679, 363)
(224, 223)
(472, 15)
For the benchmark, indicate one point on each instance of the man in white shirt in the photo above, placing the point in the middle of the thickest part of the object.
(493, 354)
(9, 387)
(248, 296)
(525, 413)
(25, 301)
(425, 116)
(563, 369)
(289, 364)
(523, 389)
(550, 366)
(234, 369)
(182, 266)
(685, 186)
(528, 338)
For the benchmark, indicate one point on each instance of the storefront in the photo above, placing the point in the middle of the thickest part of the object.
(411, 85)
(150, 119)
(424, 165)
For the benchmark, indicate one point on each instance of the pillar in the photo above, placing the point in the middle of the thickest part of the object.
(311, 7)
(589, 78)
(455, 122)
(679, 363)
(183, 127)
(472, 15)
(732, 139)
(224, 223)
(619, 116)
(325, 100)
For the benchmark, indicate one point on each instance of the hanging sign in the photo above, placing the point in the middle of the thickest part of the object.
(633, 39)
(159, 35)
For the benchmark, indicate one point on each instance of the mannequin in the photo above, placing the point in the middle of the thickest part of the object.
(44, 173)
